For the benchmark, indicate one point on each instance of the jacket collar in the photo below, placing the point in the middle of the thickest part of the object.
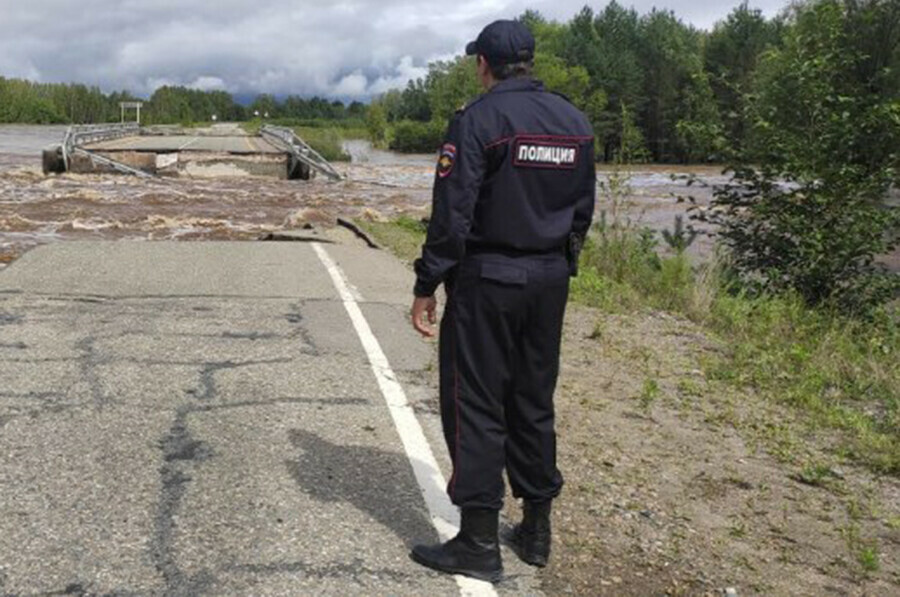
(522, 84)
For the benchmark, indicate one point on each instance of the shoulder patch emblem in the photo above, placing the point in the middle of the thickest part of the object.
(557, 152)
(446, 160)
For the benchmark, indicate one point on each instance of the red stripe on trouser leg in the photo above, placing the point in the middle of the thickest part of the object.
(453, 478)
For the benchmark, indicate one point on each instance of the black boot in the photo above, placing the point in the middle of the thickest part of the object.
(531, 538)
(474, 552)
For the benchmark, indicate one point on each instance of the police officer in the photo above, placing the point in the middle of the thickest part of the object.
(513, 198)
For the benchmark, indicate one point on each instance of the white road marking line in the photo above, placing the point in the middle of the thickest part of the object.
(444, 515)
(191, 142)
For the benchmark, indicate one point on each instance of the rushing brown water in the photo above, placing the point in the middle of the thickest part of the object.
(36, 209)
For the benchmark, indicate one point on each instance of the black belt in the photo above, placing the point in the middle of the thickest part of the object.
(479, 249)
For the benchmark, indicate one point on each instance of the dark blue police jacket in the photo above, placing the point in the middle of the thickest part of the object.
(516, 176)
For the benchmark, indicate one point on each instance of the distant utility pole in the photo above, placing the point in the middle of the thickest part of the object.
(131, 106)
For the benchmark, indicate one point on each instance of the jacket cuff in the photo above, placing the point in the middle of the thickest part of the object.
(423, 289)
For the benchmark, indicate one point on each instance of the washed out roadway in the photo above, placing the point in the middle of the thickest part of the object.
(202, 419)
(162, 143)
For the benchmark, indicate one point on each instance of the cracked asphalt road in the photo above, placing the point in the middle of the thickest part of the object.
(200, 419)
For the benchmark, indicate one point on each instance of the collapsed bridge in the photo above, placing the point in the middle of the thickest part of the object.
(221, 150)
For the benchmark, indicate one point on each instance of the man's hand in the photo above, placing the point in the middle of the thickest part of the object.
(424, 307)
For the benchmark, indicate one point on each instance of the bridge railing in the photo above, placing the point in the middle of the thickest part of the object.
(78, 135)
(299, 149)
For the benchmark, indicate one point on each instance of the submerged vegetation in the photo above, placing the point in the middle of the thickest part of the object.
(325, 137)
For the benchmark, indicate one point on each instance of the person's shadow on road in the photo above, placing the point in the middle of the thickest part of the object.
(374, 481)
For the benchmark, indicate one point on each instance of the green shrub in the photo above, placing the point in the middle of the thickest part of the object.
(377, 124)
(841, 373)
(327, 141)
(811, 215)
(410, 136)
(622, 268)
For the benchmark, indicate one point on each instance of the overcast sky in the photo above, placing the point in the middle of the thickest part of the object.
(349, 49)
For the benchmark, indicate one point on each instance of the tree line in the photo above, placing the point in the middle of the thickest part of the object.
(27, 102)
(804, 108)
(655, 88)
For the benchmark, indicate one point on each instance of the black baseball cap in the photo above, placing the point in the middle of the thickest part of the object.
(503, 42)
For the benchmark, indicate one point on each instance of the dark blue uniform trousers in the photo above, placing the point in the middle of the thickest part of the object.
(499, 361)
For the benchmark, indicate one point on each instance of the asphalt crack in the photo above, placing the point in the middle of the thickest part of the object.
(89, 361)
(180, 450)
(274, 401)
(208, 390)
(295, 318)
(354, 568)
(9, 318)
(181, 454)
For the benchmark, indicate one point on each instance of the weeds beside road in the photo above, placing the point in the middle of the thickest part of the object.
(710, 439)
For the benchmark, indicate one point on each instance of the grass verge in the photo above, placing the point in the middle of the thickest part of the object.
(841, 375)
(402, 236)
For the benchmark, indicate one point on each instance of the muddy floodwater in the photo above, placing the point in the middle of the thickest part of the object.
(36, 209)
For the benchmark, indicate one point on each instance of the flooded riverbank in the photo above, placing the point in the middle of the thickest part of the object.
(37, 209)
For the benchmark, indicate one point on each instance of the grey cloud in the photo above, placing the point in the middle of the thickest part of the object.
(346, 48)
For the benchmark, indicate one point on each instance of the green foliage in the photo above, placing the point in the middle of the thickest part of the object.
(867, 556)
(865, 551)
(572, 81)
(620, 75)
(45, 103)
(377, 124)
(179, 105)
(327, 138)
(403, 236)
(349, 128)
(309, 109)
(451, 85)
(816, 475)
(632, 146)
(416, 137)
(264, 106)
(40, 103)
(681, 120)
(680, 237)
(650, 391)
(731, 56)
(645, 81)
(699, 132)
(619, 265)
(842, 374)
(327, 141)
(410, 104)
(812, 215)
(414, 120)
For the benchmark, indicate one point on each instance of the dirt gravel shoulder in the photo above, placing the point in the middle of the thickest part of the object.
(679, 485)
